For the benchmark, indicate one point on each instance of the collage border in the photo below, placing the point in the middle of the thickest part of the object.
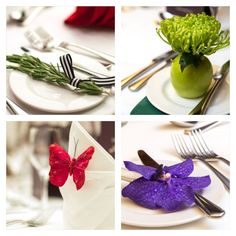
(118, 117)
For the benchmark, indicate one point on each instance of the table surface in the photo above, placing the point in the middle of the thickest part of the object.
(155, 139)
(139, 44)
(52, 19)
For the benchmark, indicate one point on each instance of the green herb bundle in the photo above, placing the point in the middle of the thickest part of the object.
(42, 71)
(197, 34)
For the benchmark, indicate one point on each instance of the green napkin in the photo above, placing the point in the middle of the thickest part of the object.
(144, 107)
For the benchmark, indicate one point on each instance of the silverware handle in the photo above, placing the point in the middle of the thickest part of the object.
(35, 12)
(224, 71)
(209, 97)
(141, 82)
(125, 81)
(164, 57)
(198, 108)
(18, 221)
(208, 207)
(14, 108)
(227, 162)
(223, 178)
(102, 55)
(79, 67)
(203, 127)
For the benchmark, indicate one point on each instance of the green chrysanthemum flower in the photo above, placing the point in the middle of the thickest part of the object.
(198, 34)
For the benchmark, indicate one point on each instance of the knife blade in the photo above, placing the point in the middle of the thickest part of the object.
(147, 160)
(156, 61)
(207, 206)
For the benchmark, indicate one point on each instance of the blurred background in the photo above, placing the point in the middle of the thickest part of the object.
(27, 160)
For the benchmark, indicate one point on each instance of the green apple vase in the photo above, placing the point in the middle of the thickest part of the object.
(194, 37)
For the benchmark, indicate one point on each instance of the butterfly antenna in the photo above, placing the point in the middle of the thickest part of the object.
(76, 144)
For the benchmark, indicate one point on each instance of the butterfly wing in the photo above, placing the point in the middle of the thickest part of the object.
(59, 161)
(81, 164)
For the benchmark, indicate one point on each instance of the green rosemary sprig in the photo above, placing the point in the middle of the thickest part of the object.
(42, 71)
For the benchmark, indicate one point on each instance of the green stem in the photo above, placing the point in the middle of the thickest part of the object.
(42, 71)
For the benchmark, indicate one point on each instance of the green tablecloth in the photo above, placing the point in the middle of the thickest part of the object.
(144, 107)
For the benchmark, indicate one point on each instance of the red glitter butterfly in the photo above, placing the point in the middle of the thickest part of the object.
(62, 166)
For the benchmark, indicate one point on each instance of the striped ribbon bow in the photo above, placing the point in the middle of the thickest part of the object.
(66, 63)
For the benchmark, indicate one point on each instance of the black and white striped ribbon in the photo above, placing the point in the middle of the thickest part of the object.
(66, 63)
(104, 82)
(67, 66)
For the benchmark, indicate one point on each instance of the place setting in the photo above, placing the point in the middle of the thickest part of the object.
(192, 76)
(63, 69)
(60, 176)
(172, 184)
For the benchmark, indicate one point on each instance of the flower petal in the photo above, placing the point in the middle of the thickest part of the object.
(183, 193)
(183, 169)
(146, 171)
(156, 194)
(144, 192)
(196, 183)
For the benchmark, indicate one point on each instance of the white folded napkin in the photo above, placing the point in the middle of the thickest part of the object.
(92, 206)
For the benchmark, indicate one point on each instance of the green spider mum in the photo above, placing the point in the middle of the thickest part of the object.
(197, 34)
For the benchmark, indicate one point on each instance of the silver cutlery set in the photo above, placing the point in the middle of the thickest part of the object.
(42, 41)
(162, 61)
(192, 144)
(140, 78)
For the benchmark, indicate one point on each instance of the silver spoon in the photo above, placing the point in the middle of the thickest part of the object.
(25, 16)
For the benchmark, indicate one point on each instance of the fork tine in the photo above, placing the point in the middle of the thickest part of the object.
(209, 151)
(181, 146)
(200, 145)
(186, 145)
(194, 143)
(176, 145)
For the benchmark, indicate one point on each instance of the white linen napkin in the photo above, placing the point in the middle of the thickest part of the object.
(92, 206)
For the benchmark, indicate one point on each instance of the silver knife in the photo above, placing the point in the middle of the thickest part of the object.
(156, 61)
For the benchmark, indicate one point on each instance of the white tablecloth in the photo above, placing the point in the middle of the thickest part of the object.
(155, 139)
(54, 218)
(139, 44)
(52, 19)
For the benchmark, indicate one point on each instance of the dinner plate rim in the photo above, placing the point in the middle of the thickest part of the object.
(164, 79)
(48, 110)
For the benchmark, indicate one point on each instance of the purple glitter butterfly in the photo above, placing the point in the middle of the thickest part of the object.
(167, 187)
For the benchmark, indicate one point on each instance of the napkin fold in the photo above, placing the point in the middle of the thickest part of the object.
(91, 207)
(144, 107)
(95, 17)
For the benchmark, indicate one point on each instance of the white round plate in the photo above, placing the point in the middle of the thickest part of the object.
(162, 95)
(48, 97)
(135, 215)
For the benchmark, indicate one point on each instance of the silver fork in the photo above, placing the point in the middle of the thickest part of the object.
(184, 150)
(48, 44)
(201, 149)
(13, 108)
(40, 219)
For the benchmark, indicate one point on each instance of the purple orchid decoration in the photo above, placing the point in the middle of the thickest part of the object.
(167, 187)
